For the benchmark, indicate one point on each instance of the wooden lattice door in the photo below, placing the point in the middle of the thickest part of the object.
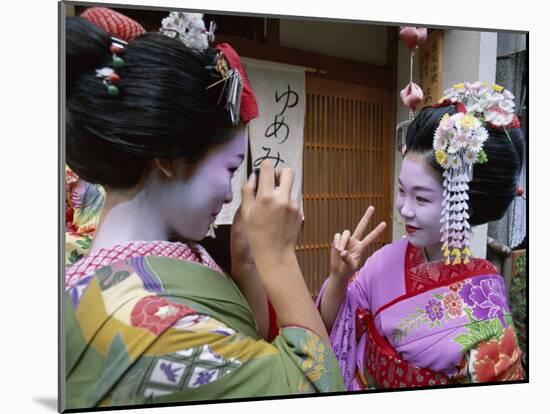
(348, 165)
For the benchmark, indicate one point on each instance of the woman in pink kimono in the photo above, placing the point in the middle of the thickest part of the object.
(421, 311)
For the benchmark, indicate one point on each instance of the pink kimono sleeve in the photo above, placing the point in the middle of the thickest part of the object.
(343, 337)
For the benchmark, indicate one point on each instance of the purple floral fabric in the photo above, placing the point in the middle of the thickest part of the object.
(433, 329)
(434, 310)
(487, 297)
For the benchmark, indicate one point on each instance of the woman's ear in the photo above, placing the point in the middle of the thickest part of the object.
(167, 166)
(174, 167)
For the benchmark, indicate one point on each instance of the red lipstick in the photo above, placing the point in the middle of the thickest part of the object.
(410, 229)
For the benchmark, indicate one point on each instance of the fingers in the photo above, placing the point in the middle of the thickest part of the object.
(247, 194)
(373, 235)
(348, 260)
(344, 240)
(237, 214)
(286, 179)
(267, 179)
(269, 175)
(363, 223)
(336, 241)
(336, 246)
(238, 217)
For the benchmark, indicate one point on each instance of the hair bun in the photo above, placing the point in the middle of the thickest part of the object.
(86, 47)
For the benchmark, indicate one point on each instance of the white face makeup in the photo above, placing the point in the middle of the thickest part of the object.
(190, 205)
(419, 198)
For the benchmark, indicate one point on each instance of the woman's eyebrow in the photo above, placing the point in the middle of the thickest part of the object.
(427, 189)
(418, 187)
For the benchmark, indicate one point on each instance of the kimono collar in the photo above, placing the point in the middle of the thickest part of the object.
(103, 257)
(421, 275)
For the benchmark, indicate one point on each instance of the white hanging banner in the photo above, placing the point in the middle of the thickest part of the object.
(278, 133)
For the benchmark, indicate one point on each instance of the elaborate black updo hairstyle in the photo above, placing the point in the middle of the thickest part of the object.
(163, 110)
(493, 186)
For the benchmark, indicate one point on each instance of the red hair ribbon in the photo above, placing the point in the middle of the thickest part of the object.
(249, 106)
(460, 107)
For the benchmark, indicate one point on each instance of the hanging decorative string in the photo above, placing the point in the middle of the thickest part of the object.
(412, 94)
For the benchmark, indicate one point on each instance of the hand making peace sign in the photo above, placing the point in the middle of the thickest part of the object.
(349, 251)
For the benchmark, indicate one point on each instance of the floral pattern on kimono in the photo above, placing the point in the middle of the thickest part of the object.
(153, 329)
(83, 204)
(436, 322)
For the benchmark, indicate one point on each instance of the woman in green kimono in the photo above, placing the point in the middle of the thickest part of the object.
(160, 125)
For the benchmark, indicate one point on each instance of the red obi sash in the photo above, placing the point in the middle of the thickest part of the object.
(384, 366)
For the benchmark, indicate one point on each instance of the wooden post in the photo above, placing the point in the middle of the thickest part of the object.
(430, 55)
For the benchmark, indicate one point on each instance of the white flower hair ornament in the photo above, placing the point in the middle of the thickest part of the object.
(458, 145)
(188, 28)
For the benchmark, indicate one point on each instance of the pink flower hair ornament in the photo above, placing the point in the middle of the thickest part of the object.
(458, 145)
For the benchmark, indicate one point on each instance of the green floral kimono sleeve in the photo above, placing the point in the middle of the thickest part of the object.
(314, 358)
(154, 330)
